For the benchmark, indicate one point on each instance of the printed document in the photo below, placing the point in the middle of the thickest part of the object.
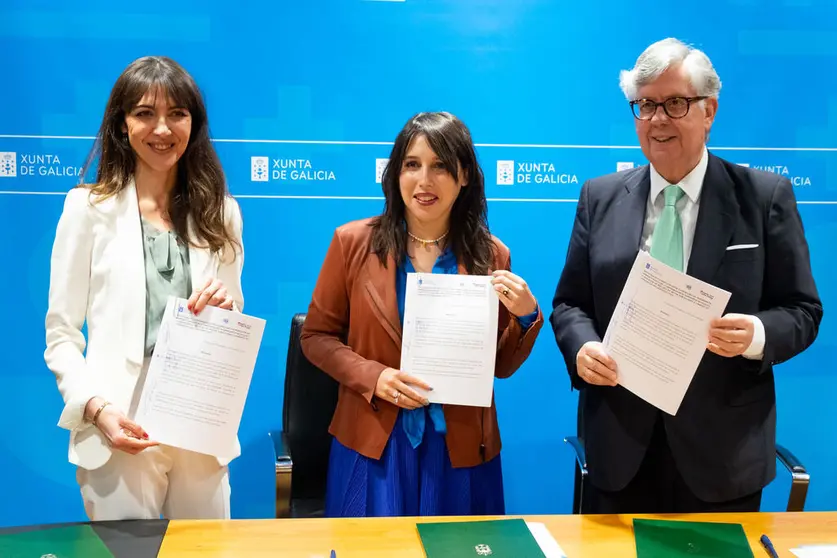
(449, 337)
(549, 546)
(194, 392)
(659, 331)
(815, 551)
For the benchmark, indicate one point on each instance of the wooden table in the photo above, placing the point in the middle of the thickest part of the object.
(608, 536)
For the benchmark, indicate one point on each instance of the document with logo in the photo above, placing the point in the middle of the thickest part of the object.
(498, 538)
(659, 330)
(193, 394)
(449, 337)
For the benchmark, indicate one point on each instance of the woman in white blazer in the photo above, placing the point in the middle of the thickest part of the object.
(157, 222)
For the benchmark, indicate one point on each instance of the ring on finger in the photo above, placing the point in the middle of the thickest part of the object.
(397, 395)
(506, 292)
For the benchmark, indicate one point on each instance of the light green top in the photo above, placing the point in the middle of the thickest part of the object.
(166, 274)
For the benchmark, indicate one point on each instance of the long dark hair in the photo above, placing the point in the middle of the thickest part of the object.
(469, 237)
(200, 190)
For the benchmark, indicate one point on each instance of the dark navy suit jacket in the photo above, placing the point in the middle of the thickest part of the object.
(723, 436)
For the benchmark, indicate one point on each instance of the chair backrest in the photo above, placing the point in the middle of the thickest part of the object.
(310, 399)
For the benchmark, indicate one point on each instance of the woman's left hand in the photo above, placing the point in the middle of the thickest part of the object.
(514, 293)
(213, 293)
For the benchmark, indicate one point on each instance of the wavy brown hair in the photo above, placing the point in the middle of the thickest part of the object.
(469, 236)
(200, 189)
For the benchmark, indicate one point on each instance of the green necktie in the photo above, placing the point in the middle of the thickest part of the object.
(667, 239)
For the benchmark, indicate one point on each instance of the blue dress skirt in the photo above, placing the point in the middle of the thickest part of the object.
(409, 481)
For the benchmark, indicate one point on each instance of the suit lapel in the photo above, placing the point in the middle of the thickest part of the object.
(715, 223)
(132, 270)
(628, 218)
(380, 286)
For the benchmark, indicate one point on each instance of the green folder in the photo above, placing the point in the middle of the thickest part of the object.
(77, 541)
(502, 538)
(675, 539)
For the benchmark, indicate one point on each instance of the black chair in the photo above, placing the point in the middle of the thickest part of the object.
(799, 475)
(302, 446)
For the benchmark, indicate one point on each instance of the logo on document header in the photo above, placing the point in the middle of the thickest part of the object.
(510, 173)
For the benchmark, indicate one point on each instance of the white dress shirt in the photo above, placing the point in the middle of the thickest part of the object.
(688, 207)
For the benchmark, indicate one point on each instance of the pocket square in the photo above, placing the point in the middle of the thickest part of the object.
(742, 247)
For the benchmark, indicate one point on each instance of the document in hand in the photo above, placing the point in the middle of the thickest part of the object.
(659, 330)
(198, 379)
(449, 338)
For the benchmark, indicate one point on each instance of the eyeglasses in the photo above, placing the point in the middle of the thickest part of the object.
(675, 107)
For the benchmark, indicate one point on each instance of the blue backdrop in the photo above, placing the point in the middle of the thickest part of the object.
(305, 98)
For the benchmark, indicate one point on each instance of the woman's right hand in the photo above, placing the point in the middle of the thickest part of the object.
(394, 386)
(121, 432)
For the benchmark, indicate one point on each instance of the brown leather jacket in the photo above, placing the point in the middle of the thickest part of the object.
(353, 332)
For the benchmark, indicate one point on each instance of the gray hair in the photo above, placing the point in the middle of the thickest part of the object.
(666, 54)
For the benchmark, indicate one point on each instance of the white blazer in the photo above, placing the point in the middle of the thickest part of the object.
(97, 273)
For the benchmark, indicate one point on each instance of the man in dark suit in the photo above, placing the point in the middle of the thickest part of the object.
(730, 226)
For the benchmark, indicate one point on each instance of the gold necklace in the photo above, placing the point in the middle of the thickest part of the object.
(424, 242)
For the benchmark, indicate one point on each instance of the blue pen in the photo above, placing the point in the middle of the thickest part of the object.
(333, 554)
(768, 546)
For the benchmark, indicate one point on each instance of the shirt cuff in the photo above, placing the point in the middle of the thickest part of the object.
(756, 349)
(527, 320)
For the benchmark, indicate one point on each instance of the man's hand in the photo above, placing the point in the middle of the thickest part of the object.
(594, 366)
(731, 335)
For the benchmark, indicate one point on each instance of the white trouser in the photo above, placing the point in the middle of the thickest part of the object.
(161, 480)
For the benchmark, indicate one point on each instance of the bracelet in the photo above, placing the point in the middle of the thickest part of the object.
(99, 412)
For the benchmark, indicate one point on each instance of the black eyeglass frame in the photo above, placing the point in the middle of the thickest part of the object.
(689, 100)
